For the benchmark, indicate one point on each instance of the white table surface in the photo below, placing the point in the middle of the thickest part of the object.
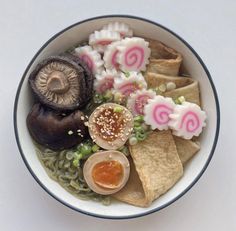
(208, 25)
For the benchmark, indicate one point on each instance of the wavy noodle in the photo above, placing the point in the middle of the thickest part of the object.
(60, 169)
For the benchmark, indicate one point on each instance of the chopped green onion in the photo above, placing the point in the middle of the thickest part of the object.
(118, 109)
(133, 140)
(177, 101)
(76, 162)
(98, 98)
(162, 88)
(170, 86)
(78, 156)
(140, 136)
(139, 129)
(157, 90)
(139, 118)
(95, 148)
(118, 97)
(127, 74)
(108, 95)
(181, 99)
(137, 124)
(86, 150)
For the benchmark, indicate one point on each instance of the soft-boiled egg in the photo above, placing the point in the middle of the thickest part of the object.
(110, 125)
(106, 172)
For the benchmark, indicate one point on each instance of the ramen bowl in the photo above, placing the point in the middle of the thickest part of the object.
(192, 64)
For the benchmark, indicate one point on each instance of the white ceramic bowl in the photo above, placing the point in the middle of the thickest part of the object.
(193, 64)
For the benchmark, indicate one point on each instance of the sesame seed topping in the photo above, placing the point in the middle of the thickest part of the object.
(109, 123)
(70, 132)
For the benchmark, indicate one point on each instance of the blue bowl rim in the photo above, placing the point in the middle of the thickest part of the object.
(107, 216)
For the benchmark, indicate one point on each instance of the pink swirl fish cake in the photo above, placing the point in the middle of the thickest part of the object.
(105, 81)
(138, 100)
(91, 57)
(187, 120)
(157, 111)
(127, 85)
(110, 55)
(133, 54)
(100, 39)
(119, 27)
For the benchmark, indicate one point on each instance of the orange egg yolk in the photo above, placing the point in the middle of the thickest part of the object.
(108, 174)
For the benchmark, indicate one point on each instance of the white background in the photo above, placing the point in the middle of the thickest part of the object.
(209, 26)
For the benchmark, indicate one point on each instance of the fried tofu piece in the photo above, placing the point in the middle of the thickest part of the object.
(158, 167)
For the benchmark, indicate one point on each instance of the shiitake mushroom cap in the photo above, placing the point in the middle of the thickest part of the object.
(59, 83)
(56, 130)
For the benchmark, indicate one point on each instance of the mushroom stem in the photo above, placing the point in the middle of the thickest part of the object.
(57, 82)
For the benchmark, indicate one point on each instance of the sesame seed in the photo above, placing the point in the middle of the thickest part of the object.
(70, 132)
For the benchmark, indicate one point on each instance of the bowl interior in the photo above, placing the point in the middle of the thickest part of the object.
(77, 33)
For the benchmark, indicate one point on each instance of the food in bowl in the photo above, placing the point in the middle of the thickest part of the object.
(115, 96)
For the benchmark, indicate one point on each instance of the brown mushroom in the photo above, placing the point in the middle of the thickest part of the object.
(56, 130)
(59, 82)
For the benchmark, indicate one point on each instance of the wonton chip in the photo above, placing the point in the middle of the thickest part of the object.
(158, 166)
(164, 60)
